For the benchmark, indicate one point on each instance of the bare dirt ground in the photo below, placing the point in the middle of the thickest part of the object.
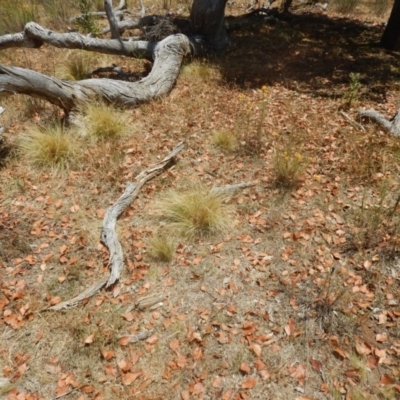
(297, 299)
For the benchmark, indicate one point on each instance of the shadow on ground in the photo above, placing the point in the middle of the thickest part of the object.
(312, 53)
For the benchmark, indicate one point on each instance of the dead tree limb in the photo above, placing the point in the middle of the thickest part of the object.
(91, 291)
(168, 56)
(392, 125)
(109, 236)
(34, 36)
(112, 20)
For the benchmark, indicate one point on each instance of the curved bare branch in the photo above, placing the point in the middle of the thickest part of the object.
(35, 35)
(168, 56)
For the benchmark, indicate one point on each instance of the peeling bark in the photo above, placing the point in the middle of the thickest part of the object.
(168, 56)
(392, 126)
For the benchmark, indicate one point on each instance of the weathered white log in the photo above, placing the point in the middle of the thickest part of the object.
(112, 20)
(35, 36)
(108, 235)
(392, 126)
(91, 291)
(168, 56)
(134, 23)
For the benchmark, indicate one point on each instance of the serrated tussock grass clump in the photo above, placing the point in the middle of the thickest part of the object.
(224, 140)
(102, 122)
(78, 67)
(49, 146)
(195, 211)
(288, 167)
(161, 248)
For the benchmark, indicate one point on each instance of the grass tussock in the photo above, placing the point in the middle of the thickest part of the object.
(78, 67)
(288, 167)
(197, 70)
(102, 122)
(224, 140)
(49, 146)
(161, 248)
(195, 211)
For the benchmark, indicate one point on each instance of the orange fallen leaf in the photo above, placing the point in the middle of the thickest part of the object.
(245, 368)
(317, 365)
(387, 380)
(256, 349)
(249, 383)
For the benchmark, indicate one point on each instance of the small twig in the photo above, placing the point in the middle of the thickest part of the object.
(229, 189)
(352, 122)
(139, 336)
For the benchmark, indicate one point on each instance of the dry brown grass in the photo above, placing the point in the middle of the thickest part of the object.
(299, 293)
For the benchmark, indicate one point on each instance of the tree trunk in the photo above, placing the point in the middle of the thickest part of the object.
(391, 36)
(207, 19)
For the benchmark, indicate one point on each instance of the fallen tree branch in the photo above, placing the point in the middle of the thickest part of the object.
(108, 234)
(34, 35)
(91, 291)
(134, 23)
(392, 126)
(168, 57)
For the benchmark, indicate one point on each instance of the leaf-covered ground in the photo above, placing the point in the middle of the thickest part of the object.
(297, 299)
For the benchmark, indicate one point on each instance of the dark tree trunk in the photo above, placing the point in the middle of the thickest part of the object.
(207, 19)
(391, 35)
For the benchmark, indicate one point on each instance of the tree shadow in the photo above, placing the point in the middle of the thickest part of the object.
(311, 53)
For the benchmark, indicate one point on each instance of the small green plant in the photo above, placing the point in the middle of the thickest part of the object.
(101, 122)
(86, 20)
(195, 211)
(224, 140)
(249, 129)
(161, 248)
(15, 14)
(376, 224)
(49, 146)
(288, 167)
(345, 6)
(354, 89)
